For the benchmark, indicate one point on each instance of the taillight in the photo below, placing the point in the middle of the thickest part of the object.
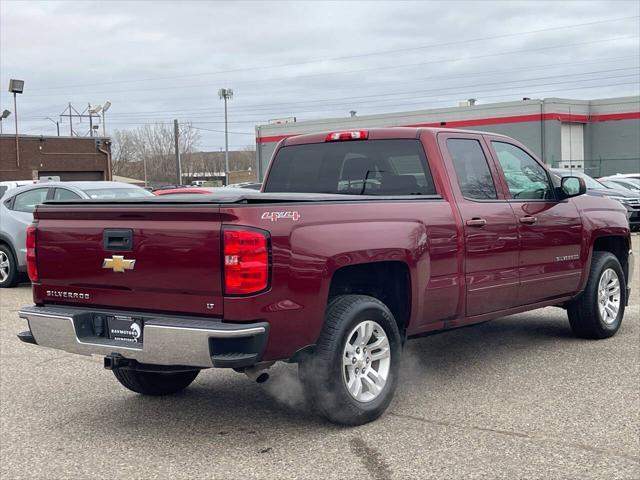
(350, 135)
(246, 261)
(32, 264)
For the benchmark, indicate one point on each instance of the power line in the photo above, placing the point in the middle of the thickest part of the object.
(360, 55)
(219, 131)
(386, 67)
(267, 109)
(439, 101)
(386, 84)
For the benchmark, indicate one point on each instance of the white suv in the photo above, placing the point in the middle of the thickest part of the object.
(16, 213)
(5, 186)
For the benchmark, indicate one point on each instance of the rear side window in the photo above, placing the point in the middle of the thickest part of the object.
(64, 194)
(29, 200)
(472, 169)
(116, 193)
(368, 167)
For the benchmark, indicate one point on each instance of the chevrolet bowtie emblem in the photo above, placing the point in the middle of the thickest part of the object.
(118, 263)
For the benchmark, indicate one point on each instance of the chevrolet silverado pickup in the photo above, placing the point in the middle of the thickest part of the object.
(358, 241)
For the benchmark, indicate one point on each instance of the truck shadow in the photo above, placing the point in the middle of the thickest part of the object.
(223, 404)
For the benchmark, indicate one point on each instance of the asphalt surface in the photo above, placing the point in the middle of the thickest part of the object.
(517, 397)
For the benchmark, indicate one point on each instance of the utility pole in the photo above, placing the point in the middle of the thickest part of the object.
(57, 124)
(90, 120)
(226, 94)
(176, 138)
(70, 114)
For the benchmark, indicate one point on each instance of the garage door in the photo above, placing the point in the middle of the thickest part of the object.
(73, 176)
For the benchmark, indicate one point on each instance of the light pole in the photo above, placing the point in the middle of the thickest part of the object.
(105, 107)
(56, 122)
(92, 111)
(4, 115)
(226, 94)
(15, 87)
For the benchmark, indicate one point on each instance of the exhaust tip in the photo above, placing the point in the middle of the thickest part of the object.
(258, 373)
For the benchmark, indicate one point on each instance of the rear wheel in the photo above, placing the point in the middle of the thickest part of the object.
(598, 312)
(352, 375)
(9, 276)
(155, 383)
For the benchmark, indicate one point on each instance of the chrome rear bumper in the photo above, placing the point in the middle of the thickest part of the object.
(168, 340)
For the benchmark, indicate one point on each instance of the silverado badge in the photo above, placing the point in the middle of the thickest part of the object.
(118, 263)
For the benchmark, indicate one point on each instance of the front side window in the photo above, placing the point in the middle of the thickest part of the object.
(367, 167)
(472, 169)
(29, 200)
(525, 177)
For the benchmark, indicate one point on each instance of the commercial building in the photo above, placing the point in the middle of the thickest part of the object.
(600, 137)
(69, 158)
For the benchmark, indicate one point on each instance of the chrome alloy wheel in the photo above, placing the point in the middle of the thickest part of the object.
(4, 267)
(609, 296)
(366, 361)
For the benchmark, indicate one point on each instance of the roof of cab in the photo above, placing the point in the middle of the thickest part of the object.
(381, 133)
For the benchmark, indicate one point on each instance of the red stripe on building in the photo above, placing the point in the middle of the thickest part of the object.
(534, 117)
(605, 117)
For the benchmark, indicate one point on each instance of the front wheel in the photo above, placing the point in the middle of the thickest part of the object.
(598, 312)
(351, 377)
(155, 383)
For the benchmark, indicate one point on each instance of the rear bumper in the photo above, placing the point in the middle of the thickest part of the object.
(167, 340)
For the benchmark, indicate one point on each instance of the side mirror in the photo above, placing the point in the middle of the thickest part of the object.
(572, 187)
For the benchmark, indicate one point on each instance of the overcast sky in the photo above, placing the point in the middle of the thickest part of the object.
(156, 61)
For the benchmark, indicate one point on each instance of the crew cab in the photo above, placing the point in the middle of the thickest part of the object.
(358, 241)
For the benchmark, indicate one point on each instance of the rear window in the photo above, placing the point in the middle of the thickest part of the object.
(114, 193)
(369, 167)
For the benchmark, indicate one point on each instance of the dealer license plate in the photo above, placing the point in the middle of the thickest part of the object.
(125, 329)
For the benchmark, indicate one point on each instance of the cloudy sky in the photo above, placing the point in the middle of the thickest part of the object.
(156, 61)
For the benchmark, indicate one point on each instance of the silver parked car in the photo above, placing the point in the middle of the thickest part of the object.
(16, 213)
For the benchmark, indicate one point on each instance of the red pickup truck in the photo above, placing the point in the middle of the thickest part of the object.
(358, 241)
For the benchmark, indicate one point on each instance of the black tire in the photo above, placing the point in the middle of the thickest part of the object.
(155, 383)
(584, 313)
(322, 373)
(12, 275)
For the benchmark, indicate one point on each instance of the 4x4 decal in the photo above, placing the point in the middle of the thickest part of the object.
(275, 216)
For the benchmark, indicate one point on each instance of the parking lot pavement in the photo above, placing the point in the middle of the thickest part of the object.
(518, 397)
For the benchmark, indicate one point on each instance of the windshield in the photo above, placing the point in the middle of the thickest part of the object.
(113, 193)
(591, 183)
(629, 181)
(369, 167)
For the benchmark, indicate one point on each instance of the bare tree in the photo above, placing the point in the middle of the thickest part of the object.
(148, 152)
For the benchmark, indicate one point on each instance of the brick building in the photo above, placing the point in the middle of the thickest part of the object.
(70, 158)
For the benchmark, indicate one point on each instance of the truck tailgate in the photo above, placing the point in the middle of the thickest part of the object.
(176, 251)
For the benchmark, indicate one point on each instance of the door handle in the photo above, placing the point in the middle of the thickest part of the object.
(528, 220)
(476, 222)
